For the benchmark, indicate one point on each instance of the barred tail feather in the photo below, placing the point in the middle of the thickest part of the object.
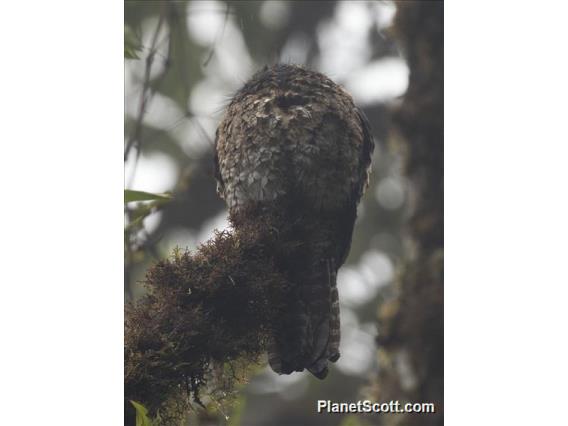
(334, 323)
(330, 330)
(309, 336)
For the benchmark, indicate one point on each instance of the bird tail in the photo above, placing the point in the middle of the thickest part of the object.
(310, 334)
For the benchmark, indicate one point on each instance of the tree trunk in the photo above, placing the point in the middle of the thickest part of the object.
(411, 326)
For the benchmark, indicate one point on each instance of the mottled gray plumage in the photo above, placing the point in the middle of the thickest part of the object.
(293, 138)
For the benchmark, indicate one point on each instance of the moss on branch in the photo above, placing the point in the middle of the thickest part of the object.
(211, 308)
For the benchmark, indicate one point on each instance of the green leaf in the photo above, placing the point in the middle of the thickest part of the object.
(139, 214)
(131, 195)
(130, 53)
(142, 418)
(131, 44)
(140, 211)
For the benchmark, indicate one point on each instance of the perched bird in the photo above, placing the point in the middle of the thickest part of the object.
(294, 139)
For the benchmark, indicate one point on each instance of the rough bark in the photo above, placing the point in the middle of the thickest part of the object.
(411, 340)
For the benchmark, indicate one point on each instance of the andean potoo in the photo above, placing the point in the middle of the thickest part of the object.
(292, 139)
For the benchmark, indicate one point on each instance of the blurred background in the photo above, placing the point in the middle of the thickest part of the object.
(184, 60)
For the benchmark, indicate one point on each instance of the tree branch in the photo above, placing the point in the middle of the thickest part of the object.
(214, 308)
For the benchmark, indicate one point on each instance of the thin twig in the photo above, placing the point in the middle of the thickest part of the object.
(218, 36)
(144, 97)
(203, 131)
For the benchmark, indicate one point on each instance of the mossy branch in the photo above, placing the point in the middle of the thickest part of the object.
(214, 307)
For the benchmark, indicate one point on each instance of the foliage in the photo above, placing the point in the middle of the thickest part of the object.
(131, 44)
(130, 196)
(142, 418)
